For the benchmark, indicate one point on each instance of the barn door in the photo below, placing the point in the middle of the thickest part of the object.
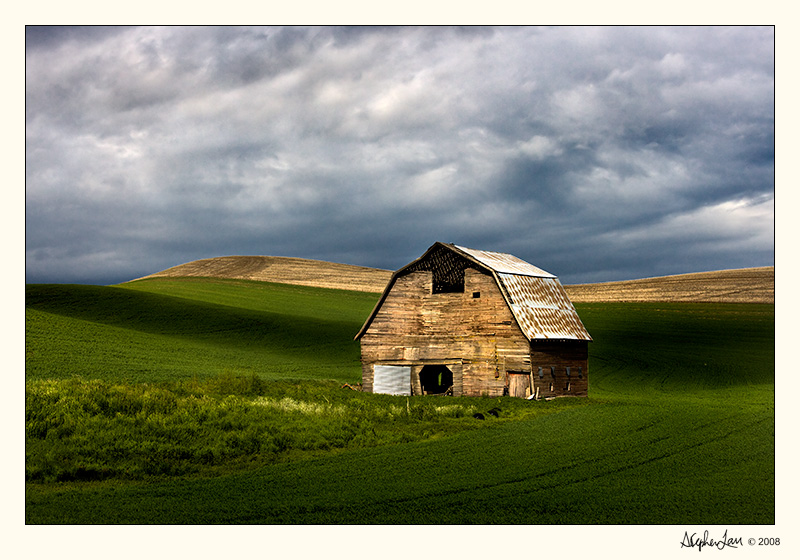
(392, 380)
(518, 384)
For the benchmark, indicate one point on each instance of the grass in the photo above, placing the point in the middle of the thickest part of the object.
(681, 348)
(96, 430)
(165, 330)
(213, 414)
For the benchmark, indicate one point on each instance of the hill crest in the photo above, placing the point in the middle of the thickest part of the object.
(744, 285)
(740, 285)
(283, 270)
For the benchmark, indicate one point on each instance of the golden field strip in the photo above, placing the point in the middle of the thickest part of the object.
(745, 285)
(285, 270)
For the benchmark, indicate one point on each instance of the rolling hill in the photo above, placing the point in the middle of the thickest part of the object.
(284, 270)
(745, 285)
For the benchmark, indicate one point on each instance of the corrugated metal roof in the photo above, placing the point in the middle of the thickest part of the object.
(542, 308)
(537, 299)
(505, 263)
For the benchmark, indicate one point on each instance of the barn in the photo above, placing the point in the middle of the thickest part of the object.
(460, 321)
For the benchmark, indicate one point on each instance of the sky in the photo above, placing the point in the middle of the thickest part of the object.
(595, 153)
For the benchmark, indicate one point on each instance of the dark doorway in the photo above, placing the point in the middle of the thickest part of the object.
(436, 380)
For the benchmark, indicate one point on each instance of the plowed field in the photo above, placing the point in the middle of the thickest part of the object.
(744, 285)
(285, 270)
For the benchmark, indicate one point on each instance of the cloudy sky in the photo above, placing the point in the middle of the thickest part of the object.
(597, 154)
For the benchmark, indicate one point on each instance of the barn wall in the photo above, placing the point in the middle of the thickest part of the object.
(560, 355)
(415, 326)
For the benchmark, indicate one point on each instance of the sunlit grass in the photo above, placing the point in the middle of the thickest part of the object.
(96, 430)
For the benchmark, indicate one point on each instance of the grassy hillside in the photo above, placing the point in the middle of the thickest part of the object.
(211, 407)
(166, 329)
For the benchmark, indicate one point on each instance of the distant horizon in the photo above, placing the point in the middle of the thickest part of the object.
(146, 274)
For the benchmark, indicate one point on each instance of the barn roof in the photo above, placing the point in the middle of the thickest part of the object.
(505, 263)
(536, 298)
(542, 308)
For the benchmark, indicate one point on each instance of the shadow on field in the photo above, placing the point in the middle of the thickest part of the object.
(179, 317)
(681, 346)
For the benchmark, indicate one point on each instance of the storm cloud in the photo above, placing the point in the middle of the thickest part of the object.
(594, 153)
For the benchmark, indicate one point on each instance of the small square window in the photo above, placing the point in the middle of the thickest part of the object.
(476, 294)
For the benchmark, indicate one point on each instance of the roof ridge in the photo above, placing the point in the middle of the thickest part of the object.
(504, 263)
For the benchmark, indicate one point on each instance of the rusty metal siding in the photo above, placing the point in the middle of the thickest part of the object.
(505, 263)
(542, 308)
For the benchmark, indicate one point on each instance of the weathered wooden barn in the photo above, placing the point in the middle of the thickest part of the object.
(460, 321)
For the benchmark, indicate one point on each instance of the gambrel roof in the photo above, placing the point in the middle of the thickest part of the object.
(536, 298)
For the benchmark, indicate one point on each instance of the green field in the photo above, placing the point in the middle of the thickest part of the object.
(214, 402)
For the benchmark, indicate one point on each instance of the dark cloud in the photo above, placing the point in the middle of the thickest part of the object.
(53, 36)
(595, 153)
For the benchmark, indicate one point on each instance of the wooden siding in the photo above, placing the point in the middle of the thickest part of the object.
(560, 355)
(477, 335)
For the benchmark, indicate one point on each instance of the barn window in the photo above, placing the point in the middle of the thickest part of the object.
(476, 295)
(580, 372)
(541, 373)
